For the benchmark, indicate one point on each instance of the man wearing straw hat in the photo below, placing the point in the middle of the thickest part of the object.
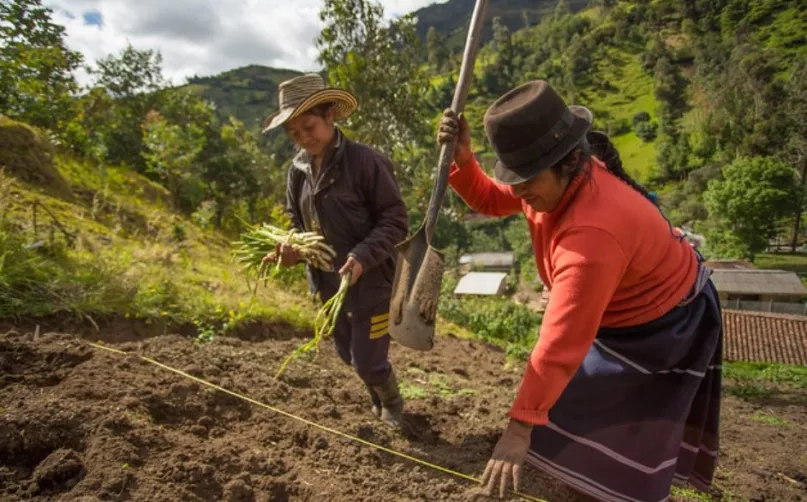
(348, 193)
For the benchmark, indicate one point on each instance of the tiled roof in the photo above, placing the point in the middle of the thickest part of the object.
(764, 337)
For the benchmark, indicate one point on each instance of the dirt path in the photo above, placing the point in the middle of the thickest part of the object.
(77, 424)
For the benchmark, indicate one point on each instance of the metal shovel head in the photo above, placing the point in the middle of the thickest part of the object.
(415, 292)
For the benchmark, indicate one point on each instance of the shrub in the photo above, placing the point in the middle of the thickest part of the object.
(647, 131)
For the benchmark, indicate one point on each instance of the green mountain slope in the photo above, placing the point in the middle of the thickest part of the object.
(451, 18)
(247, 93)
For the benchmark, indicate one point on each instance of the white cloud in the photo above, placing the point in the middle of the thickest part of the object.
(203, 37)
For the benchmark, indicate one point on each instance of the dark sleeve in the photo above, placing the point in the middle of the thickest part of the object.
(388, 209)
(292, 205)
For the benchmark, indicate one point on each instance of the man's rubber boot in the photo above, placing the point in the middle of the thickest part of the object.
(391, 402)
(375, 400)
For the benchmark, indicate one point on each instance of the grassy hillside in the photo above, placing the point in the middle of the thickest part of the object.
(452, 17)
(614, 86)
(248, 94)
(110, 246)
(97, 243)
(629, 91)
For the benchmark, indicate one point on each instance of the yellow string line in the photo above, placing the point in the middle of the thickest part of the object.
(309, 422)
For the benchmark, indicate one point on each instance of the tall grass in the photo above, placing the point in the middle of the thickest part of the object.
(157, 273)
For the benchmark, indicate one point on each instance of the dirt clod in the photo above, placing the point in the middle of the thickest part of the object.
(59, 472)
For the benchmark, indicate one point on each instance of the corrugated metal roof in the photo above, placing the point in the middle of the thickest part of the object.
(757, 282)
(481, 283)
(492, 259)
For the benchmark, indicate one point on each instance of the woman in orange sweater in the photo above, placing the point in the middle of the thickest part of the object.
(621, 396)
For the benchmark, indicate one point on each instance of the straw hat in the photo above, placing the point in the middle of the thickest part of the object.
(300, 94)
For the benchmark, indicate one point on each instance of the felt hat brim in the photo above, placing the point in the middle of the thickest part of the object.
(513, 175)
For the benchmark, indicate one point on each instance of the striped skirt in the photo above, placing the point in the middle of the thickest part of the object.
(642, 412)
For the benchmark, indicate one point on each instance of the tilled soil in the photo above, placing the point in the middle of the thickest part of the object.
(80, 424)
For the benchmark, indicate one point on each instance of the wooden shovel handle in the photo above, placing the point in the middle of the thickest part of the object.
(457, 105)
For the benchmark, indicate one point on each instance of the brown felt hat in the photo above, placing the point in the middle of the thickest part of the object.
(531, 128)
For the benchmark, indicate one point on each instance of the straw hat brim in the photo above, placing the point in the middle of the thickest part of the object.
(344, 104)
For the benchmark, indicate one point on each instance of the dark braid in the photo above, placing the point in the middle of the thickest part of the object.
(600, 145)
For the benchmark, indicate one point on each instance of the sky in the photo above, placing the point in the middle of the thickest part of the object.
(203, 37)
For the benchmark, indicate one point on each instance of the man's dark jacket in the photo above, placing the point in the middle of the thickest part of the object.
(358, 205)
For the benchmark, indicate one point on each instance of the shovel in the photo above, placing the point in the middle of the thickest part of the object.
(419, 268)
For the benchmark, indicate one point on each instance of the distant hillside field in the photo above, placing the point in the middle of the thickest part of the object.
(248, 94)
(451, 18)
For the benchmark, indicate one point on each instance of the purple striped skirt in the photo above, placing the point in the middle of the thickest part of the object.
(642, 412)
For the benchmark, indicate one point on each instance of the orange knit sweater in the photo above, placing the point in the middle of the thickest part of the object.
(608, 257)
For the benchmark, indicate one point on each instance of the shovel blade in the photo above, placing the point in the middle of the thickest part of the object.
(415, 293)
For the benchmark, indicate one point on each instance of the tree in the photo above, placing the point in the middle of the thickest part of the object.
(498, 75)
(646, 131)
(171, 151)
(505, 52)
(437, 50)
(686, 199)
(673, 148)
(380, 63)
(561, 9)
(755, 193)
(36, 80)
(236, 172)
(131, 74)
(796, 147)
(133, 79)
(752, 101)
(670, 90)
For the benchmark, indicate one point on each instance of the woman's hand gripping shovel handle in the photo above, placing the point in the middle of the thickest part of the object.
(457, 106)
(419, 268)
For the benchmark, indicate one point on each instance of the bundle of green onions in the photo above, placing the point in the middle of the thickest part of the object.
(324, 323)
(261, 241)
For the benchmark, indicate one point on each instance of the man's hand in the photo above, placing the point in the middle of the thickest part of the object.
(355, 268)
(287, 255)
(507, 459)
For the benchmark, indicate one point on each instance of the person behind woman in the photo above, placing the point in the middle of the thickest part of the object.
(348, 193)
(621, 395)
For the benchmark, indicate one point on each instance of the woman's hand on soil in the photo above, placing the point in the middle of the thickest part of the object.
(355, 268)
(452, 126)
(507, 459)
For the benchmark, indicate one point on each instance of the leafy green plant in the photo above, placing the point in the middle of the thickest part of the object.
(754, 194)
(647, 131)
(205, 214)
(494, 319)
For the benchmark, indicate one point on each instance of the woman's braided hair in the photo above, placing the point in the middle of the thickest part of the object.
(598, 143)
